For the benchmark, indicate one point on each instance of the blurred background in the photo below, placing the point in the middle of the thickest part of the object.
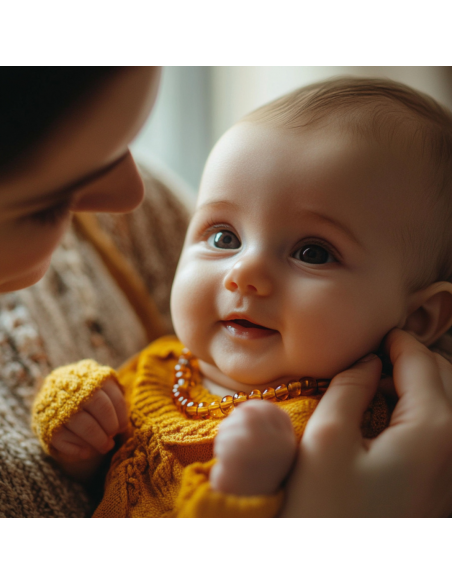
(196, 105)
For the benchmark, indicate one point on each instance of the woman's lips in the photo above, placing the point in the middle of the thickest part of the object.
(246, 329)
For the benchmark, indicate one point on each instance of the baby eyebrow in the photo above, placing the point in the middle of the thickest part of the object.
(214, 204)
(335, 223)
(303, 214)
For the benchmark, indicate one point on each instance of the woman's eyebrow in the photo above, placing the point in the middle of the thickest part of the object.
(61, 191)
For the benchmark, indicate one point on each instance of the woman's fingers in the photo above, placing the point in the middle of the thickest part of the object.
(445, 372)
(406, 471)
(416, 373)
(339, 414)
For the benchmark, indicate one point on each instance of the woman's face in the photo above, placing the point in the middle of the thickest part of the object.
(83, 165)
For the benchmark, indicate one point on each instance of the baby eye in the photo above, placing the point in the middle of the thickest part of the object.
(224, 240)
(313, 254)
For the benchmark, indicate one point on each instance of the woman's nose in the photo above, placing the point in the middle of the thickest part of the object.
(250, 276)
(119, 190)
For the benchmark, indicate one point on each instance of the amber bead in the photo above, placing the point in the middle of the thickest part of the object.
(308, 385)
(176, 394)
(215, 410)
(182, 375)
(281, 392)
(294, 388)
(239, 398)
(227, 405)
(255, 394)
(203, 410)
(269, 394)
(180, 368)
(181, 402)
(183, 384)
(323, 384)
(187, 370)
(178, 375)
(190, 409)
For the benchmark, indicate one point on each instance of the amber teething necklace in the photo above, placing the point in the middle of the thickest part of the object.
(187, 369)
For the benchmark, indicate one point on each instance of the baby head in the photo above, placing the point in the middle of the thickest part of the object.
(323, 221)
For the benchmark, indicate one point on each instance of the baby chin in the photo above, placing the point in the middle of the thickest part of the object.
(229, 366)
(272, 367)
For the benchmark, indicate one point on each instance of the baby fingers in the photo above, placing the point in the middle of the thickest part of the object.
(86, 427)
(70, 446)
(116, 396)
(108, 408)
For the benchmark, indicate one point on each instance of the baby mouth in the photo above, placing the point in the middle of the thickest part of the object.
(240, 327)
(248, 324)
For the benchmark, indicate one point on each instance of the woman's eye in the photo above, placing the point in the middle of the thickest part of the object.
(51, 215)
(313, 254)
(224, 240)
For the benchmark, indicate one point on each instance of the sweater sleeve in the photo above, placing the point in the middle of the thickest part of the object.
(63, 394)
(197, 499)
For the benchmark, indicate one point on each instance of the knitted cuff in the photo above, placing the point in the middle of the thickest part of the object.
(63, 394)
(196, 498)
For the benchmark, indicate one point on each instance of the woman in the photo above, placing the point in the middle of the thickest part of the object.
(64, 148)
(69, 131)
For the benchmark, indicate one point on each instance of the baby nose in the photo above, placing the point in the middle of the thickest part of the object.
(249, 276)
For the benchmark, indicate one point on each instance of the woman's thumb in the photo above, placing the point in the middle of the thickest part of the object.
(349, 394)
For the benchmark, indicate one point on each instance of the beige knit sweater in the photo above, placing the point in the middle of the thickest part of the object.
(76, 311)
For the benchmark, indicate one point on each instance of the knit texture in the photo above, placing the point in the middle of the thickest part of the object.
(162, 468)
(196, 499)
(64, 393)
(31, 484)
(76, 311)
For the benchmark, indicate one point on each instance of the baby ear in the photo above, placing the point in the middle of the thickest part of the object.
(430, 312)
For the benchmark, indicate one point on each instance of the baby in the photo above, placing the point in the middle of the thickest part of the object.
(323, 222)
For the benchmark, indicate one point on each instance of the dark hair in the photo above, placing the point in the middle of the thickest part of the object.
(33, 99)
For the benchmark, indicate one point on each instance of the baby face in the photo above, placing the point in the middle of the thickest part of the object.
(293, 263)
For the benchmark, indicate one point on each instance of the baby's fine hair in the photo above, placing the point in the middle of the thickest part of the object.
(386, 111)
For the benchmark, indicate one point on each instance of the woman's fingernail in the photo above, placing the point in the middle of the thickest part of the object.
(368, 357)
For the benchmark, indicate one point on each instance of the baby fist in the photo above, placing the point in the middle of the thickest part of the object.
(255, 448)
(91, 430)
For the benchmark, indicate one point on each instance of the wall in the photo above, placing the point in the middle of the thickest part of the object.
(197, 104)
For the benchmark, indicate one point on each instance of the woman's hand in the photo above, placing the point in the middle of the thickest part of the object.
(407, 470)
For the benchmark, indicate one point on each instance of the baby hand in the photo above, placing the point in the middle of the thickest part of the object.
(255, 448)
(90, 431)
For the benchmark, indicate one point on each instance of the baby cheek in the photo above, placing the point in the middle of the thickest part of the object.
(335, 328)
(192, 301)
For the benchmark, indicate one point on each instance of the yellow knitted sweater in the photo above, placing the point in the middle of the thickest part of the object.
(162, 466)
